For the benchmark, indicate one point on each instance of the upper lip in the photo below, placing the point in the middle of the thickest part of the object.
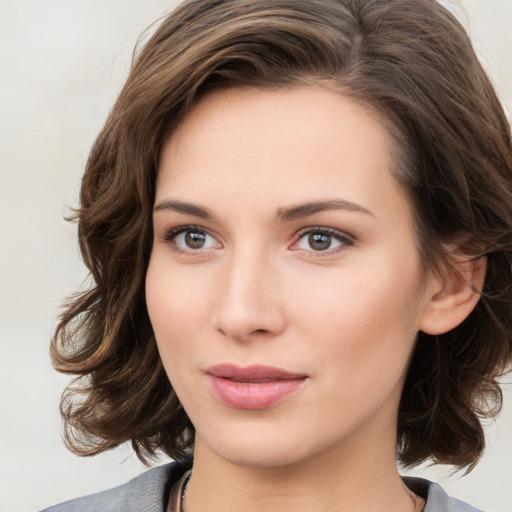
(251, 373)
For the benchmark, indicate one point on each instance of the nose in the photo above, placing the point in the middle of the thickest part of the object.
(249, 305)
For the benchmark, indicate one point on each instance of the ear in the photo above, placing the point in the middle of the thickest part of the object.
(452, 296)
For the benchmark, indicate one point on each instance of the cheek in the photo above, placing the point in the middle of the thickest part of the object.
(174, 307)
(364, 321)
(360, 297)
(173, 295)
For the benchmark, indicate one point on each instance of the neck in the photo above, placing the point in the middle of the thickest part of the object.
(357, 480)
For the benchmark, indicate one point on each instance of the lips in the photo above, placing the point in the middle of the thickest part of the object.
(252, 387)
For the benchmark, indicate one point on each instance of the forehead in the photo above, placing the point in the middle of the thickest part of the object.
(286, 146)
(277, 122)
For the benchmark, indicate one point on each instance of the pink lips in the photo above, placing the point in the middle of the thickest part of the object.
(252, 387)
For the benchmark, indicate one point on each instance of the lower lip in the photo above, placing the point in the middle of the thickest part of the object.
(252, 395)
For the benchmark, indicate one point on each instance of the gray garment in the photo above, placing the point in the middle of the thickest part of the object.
(437, 499)
(149, 492)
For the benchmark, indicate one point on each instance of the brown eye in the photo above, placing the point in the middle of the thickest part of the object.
(190, 239)
(319, 241)
(195, 239)
(323, 240)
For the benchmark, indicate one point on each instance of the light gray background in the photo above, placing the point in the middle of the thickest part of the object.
(62, 63)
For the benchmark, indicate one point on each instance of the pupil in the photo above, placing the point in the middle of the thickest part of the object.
(194, 240)
(319, 241)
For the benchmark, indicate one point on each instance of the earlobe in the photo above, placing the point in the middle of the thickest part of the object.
(453, 296)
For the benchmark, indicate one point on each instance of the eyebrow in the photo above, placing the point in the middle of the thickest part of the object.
(306, 209)
(182, 207)
(283, 214)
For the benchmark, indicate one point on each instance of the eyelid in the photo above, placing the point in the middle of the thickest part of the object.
(347, 240)
(172, 233)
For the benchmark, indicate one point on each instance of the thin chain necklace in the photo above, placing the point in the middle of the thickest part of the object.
(179, 489)
(178, 492)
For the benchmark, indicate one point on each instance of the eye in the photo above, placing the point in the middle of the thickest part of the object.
(322, 240)
(190, 239)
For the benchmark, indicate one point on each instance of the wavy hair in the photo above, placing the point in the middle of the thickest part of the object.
(409, 61)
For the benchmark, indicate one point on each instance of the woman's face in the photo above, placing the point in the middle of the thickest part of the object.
(284, 287)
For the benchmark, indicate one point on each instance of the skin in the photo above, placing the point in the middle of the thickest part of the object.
(260, 291)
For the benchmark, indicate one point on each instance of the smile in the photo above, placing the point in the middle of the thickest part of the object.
(253, 387)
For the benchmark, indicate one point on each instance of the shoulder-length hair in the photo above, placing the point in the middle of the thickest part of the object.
(410, 62)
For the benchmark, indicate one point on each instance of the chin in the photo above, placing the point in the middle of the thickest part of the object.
(261, 457)
(260, 447)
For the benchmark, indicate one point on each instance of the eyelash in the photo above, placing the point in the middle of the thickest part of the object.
(346, 241)
(174, 232)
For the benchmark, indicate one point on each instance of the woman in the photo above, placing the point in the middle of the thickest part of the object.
(298, 220)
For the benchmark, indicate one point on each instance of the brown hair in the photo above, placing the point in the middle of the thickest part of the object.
(408, 60)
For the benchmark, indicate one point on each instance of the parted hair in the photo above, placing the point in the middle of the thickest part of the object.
(410, 62)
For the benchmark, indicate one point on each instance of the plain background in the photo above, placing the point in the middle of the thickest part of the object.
(62, 63)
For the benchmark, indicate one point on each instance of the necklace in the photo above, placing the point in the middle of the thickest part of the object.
(178, 492)
(179, 489)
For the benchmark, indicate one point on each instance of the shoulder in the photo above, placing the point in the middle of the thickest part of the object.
(149, 492)
(436, 497)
